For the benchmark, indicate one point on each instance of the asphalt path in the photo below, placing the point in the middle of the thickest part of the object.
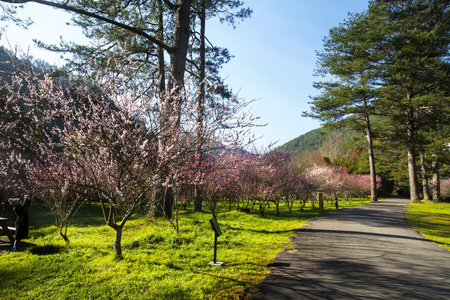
(363, 252)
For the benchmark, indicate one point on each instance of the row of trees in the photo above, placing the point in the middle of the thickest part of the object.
(390, 64)
(120, 130)
(66, 139)
(70, 139)
(140, 35)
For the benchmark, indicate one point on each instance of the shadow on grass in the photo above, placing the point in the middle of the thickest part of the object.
(46, 250)
(257, 231)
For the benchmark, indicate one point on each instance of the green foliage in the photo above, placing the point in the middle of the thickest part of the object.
(315, 139)
(158, 263)
(391, 161)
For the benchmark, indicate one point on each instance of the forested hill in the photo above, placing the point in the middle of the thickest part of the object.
(314, 139)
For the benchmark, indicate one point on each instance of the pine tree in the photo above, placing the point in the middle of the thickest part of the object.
(413, 68)
(347, 58)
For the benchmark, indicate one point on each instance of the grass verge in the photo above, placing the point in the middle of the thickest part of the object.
(432, 220)
(158, 263)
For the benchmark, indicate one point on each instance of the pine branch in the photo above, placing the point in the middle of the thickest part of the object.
(98, 17)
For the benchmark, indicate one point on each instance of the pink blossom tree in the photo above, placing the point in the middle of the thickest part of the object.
(357, 185)
(99, 130)
(326, 179)
(283, 179)
(59, 182)
(267, 178)
(219, 176)
(105, 130)
(304, 186)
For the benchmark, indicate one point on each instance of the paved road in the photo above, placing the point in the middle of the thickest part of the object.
(364, 252)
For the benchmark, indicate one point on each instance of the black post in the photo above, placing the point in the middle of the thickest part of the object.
(217, 233)
(215, 248)
(320, 203)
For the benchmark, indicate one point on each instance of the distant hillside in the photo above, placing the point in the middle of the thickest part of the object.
(315, 138)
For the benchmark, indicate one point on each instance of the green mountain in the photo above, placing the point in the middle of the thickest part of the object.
(314, 139)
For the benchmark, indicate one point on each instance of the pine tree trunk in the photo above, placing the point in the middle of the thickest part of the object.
(175, 82)
(373, 174)
(180, 45)
(426, 190)
(161, 65)
(413, 184)
(198, 200)
(436, 179)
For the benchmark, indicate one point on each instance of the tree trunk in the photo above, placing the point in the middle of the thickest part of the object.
(413, 184)
(117, 245)
(175, 82)
(162, 206)
(198, 201)
(169, 199)
(161, 65)
(426, 190)
(180, 45)
(64, 234)
(373, 174)
(436, 179)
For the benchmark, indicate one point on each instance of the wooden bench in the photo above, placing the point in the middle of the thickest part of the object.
(5, 230)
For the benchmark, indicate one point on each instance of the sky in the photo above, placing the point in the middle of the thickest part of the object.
(274, 55)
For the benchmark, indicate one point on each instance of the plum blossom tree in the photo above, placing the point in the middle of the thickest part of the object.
(266, 178)
(59, 182)
(250, 182)
(283, 180)
(292, 183)
(304, 187)
(326, 179)
(218, 177)
(357, 185)
(12, 166)
(100, 130)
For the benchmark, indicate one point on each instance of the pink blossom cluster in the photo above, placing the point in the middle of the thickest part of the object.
(338, 181)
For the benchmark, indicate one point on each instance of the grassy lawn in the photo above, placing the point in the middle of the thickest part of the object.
(432, 220)
(158, 263)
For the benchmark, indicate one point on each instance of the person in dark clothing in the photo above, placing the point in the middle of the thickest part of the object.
(21, 224)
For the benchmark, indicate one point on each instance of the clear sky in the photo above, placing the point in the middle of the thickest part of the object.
(274, 55)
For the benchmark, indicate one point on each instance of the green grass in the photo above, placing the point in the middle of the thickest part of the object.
(158, 263)
(432, 220)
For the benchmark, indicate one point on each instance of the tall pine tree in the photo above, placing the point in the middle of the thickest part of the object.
(347, 57)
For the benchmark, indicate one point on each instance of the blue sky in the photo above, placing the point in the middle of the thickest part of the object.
(274, 55)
